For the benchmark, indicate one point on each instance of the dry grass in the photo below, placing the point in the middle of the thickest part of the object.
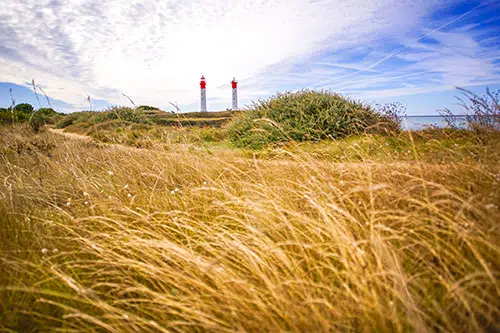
(104, 239)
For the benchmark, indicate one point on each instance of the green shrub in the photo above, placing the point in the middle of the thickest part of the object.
(305, 115)
(75, 117)
(122, 113)
(24, 108)
(23, 111)
(20, 113)
(65, 121)
(47, 112)
(6, 116)
(86, 119)
(195, 122)
(36, 121)
(147, 108)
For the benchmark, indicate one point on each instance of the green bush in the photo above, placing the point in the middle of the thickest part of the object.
(88, 118)
(147, 108)
(36, 121)
(65, 121)
(75, 117)
(47, 112)
(20, 113)
(6, 116)
(24, 108)
(23, 111)
(124, 114)
(305, 115)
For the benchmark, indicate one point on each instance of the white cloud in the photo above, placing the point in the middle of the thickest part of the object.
(456, 57)
(155, 51)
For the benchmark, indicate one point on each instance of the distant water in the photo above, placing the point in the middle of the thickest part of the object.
(421, 122)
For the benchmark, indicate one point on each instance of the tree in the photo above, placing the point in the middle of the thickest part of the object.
(24, 108)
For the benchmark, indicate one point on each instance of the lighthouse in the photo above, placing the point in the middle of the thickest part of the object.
(234, 84)
(203, 85)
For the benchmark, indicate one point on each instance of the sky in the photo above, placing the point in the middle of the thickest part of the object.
(412, 51)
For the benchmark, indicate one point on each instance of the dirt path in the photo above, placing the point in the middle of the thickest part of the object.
(389, 165)
(72, 136)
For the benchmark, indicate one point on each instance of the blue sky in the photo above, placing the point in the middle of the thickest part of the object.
(415, 52)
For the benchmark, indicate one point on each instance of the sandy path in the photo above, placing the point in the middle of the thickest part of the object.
(72, 136)
(389, 165)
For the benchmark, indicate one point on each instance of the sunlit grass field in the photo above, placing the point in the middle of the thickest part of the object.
(152, 229)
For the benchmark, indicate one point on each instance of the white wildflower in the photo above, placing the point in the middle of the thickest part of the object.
(172, 192)
(125, 187)
(86, 203)
(129, 195)
(110, 173)
(85, 194)
(204, 183)
(176, 189)
(45, 251)
(55, 251)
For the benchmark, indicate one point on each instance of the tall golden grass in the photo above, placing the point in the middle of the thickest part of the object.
(120, 239)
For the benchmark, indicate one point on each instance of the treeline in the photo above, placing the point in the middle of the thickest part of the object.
(26, 113)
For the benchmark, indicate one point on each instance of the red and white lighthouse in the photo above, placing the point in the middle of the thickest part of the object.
(203, 85)
(234, 84)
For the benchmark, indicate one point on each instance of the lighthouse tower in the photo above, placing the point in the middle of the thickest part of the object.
(203, 85)
(234, 84)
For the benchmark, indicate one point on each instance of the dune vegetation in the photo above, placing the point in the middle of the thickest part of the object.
(146, 228)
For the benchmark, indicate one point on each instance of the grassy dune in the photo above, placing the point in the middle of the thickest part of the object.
(365, 234)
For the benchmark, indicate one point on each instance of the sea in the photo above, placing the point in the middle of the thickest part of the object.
(422, 122)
